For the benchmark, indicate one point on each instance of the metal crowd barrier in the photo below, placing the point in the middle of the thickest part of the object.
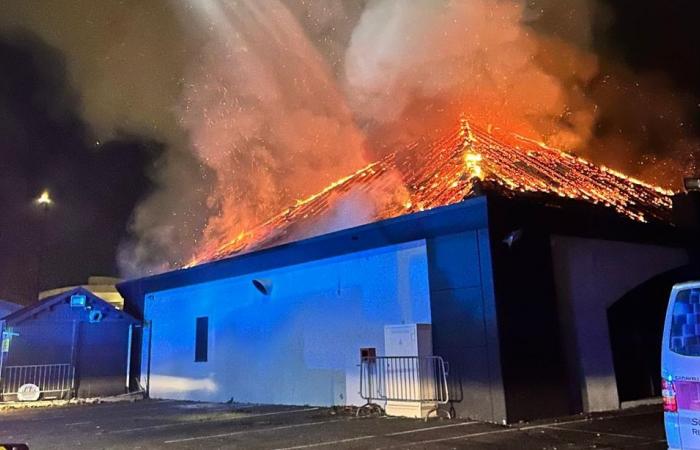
(403, 379)
(53, 380)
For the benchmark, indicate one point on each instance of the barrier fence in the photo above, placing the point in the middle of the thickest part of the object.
(403, 379)
(53, 380)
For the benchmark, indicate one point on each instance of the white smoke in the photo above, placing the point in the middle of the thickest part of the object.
(359, 206)
(263, 110)
(263, 102)
(423, 65)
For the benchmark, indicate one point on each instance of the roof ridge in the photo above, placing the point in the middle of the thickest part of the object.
(459, 165)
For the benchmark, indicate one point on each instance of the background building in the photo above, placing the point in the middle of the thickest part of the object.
(103, 287)
(74, 332)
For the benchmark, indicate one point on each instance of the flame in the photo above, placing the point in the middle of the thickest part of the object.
(445, 172)
(472, 162)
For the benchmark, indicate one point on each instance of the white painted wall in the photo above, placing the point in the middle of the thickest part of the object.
(299, 345)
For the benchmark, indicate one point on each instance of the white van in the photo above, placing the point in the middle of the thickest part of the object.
(680, 367)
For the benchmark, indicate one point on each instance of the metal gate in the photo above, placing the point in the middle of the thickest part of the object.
(404, 379)
(53, 380)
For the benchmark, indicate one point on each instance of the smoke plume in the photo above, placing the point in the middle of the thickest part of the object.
(263, 102)
(410, 71)
(263, 109)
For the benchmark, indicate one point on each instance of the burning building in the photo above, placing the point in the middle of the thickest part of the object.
(539, 272)
(456, 167)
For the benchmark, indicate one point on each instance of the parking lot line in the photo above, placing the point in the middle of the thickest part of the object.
(420, 430)
(286, 427)
(601, 433)
(485, 433)
(398, 433)
(321, 444)
(261, 430)
(230, 419)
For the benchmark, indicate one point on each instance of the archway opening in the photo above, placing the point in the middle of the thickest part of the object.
(636, 323)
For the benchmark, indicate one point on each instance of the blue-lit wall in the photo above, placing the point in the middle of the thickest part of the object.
(299, 345)
(54, 332)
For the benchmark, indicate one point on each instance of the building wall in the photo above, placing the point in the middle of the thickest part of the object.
(532, 361)
(300, 344)
(41, 341)
(591, 275)
(465, 328)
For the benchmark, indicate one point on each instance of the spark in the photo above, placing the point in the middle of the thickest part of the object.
(445, 172)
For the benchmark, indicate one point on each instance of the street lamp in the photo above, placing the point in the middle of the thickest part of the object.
(44, 201)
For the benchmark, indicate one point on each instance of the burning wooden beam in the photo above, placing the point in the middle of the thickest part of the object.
(450, 169)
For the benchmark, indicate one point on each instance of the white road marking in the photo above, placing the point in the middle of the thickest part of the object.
(261, 430)
(420, 430)
(78, 423)
(306, 424)
(505, 430)
(205, 421)
(601, 433)
(321, 444)
(360, 438)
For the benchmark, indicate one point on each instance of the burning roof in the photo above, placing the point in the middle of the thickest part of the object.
(458, 166)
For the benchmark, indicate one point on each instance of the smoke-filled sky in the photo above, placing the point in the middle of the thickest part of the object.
(163, 124)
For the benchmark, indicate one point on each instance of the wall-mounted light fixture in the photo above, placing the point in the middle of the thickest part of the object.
(263, 285)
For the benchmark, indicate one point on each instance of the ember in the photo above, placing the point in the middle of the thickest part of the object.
(456, 167)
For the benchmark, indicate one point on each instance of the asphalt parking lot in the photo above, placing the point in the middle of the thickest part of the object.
(177, 425)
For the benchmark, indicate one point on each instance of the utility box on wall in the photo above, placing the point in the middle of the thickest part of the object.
(410, 340)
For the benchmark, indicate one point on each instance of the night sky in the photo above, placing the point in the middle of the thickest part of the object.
(46, 145)
(97, 179)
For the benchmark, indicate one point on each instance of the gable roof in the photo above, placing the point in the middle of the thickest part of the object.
(48, 302)
(446, 171)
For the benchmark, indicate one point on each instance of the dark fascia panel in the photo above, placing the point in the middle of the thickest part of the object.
(568, 217)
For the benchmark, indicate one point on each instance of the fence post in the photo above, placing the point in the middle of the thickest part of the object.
(2, 359)
(128, 358)
(149, 324)
(74, 357)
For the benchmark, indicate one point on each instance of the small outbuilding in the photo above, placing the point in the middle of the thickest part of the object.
(70, 344)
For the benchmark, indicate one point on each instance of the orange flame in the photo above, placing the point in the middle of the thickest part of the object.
(445, 172)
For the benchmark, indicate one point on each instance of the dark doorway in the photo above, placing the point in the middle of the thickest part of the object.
(532, 354)
(636, 325)
(101, 360)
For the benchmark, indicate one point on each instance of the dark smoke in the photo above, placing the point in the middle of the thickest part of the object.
(45, 143)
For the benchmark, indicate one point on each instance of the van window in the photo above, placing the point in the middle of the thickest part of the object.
(685, 323)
